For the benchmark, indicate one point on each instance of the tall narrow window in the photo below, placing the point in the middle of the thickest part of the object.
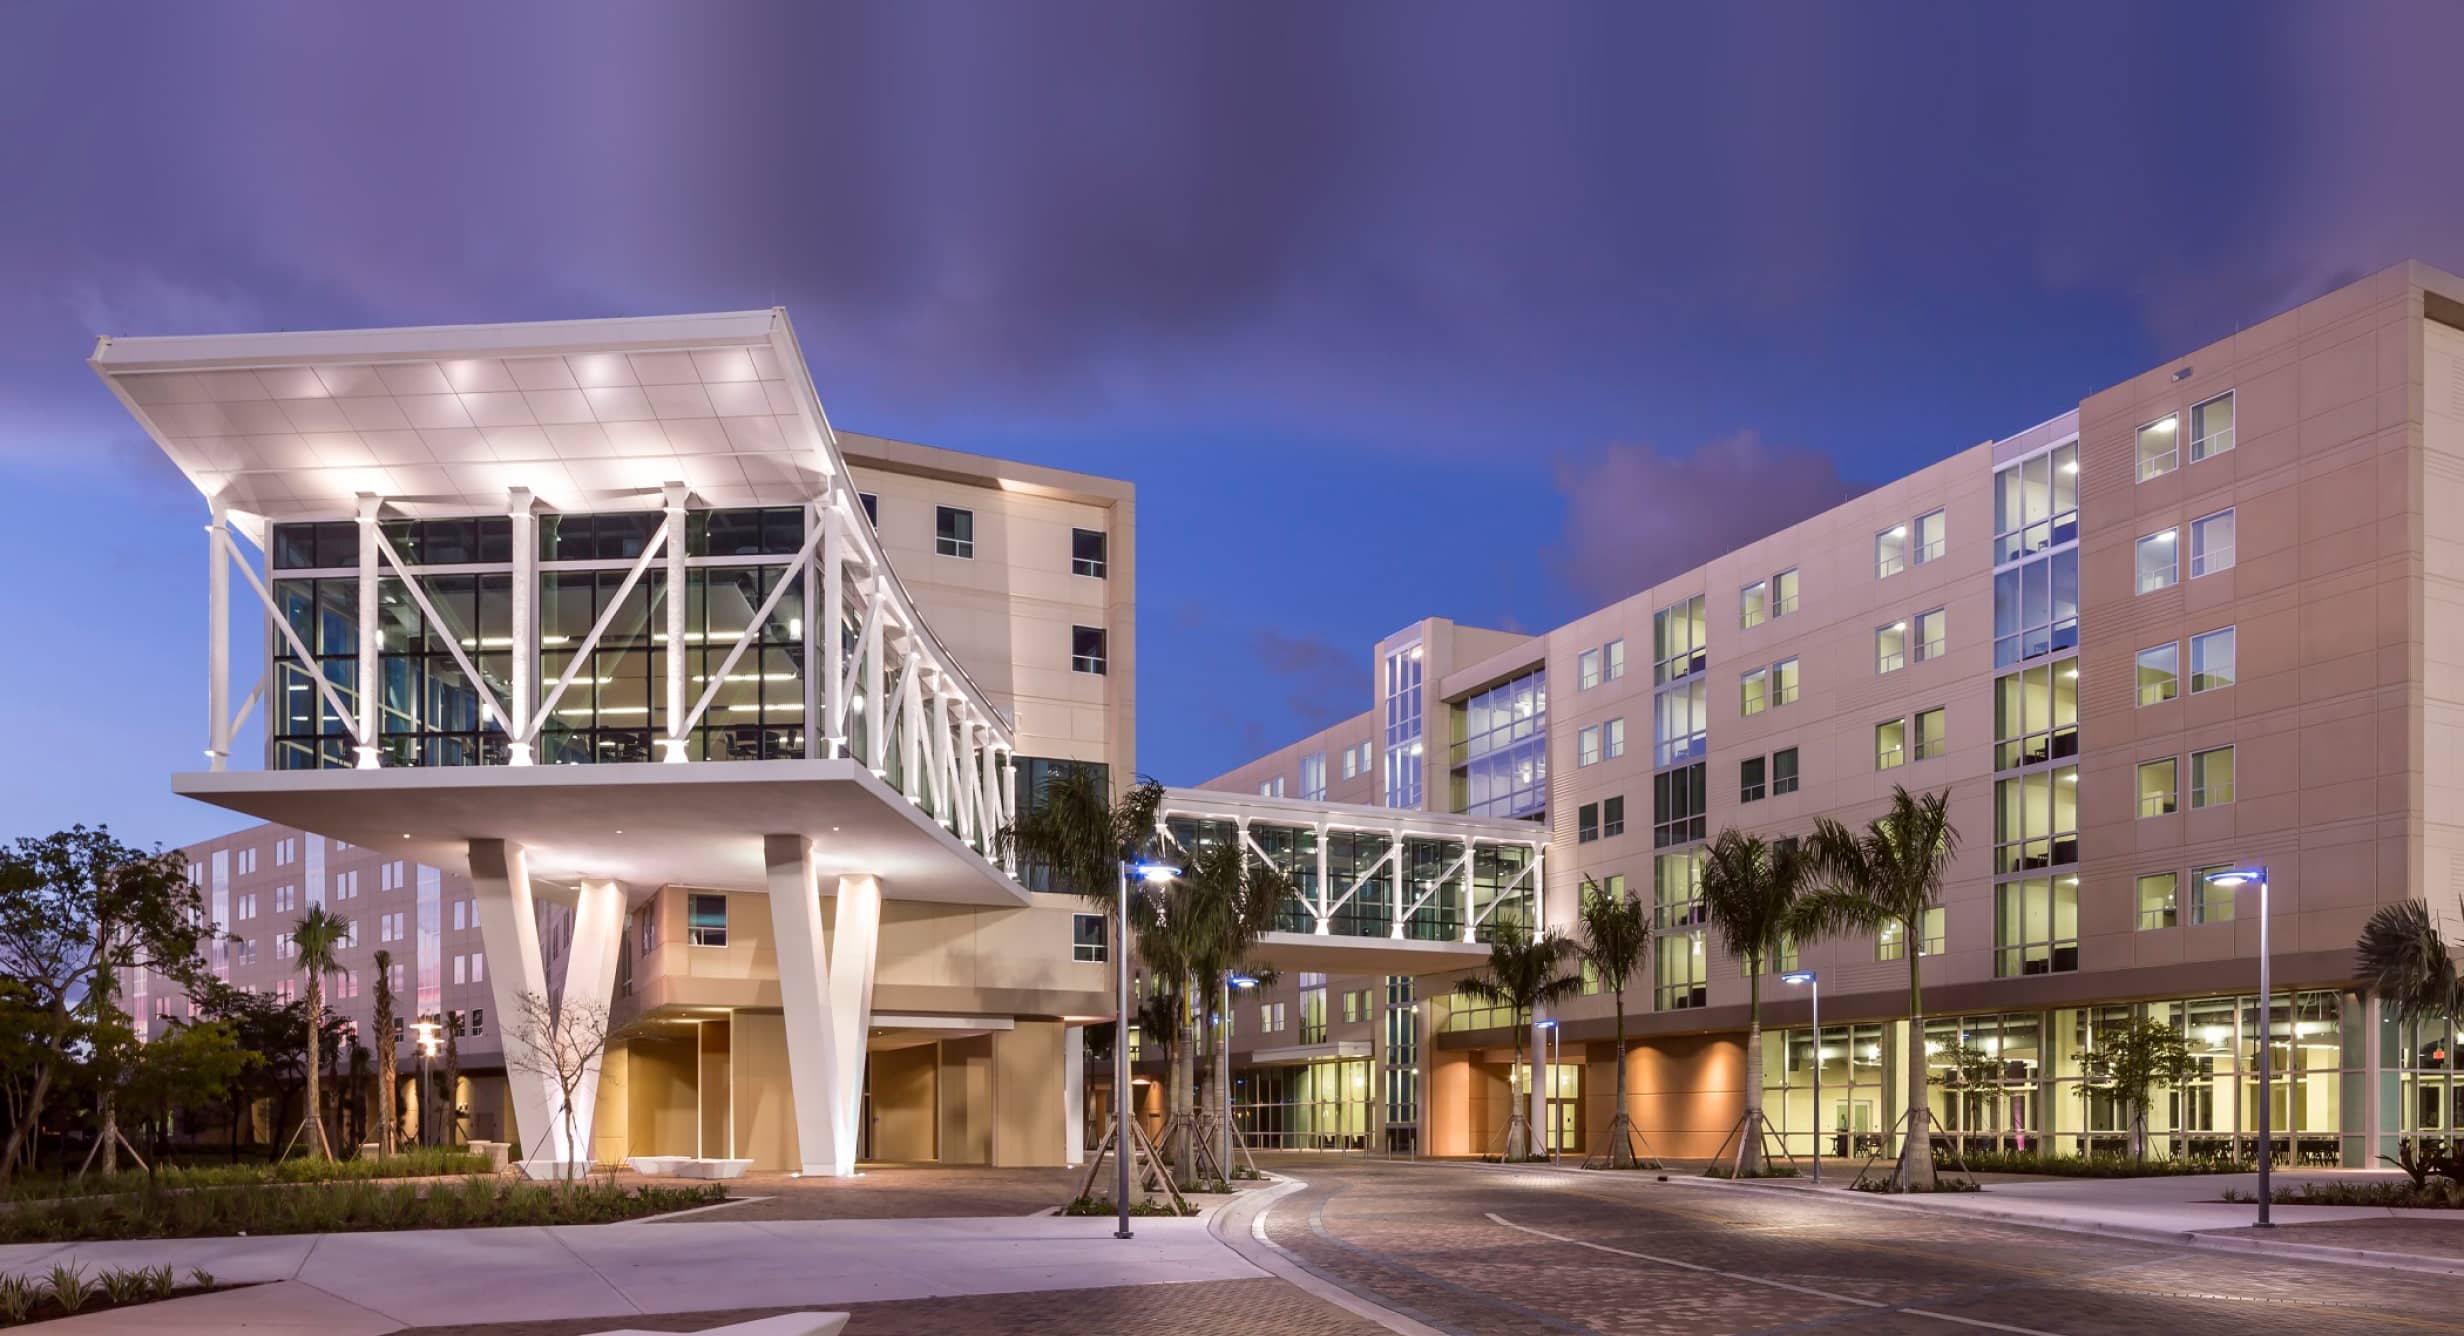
(1587, 670)
(1587, 823)
(2211, 544)
(1587, 746)
(1089, 553)
(1891, 647)
(1933, 534)
(1613, 739)
(1754, 692)
(1890, 744)
(1086, 650)
(2159, 904)
(1784, 593)
(1783, 771)
(872, 508)
(1753, 779)
(2211, 428)
(2211, 778)
(1933, 635)
(2210, 902)
(1313, 777)
(2211, 661)
(1784, 682)
(2157, 793)
(1612, 817)
(2160, 674)
(2158, 447)
(1754, 604)
(1678, 641)
(1891, 551)
(1932, 733)
(2157, 561)
(954, 532)
(1613, 655)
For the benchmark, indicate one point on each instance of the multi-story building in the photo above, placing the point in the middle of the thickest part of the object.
(2203, 622)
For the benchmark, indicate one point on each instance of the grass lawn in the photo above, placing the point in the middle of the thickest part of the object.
(421, 1162)
(339, 1207)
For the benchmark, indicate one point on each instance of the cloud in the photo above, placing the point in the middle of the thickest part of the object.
(1636, 515)
(1323, 682)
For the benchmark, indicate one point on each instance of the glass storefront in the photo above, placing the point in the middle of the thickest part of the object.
(1311, 1106)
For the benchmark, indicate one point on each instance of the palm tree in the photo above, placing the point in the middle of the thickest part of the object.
(1234, 901)
(1750, 892)
(2401, 958)
(387, 1126)
(1525, 973)
(313, 941)
(1891, 873)
(454, 1029)
(1616, 936)
(1172, 939)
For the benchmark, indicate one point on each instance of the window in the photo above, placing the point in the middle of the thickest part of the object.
(1086, 650)
(1613, 738)
(1681, 722)
(2036, 820)
(1752, 779)
(2211, 661)
(648, 917)
(1087, 553)
(2036, 605)
(2036, 926)
(1614, 652)
(1890, 744)
(1587, 670)
(1272, 788)
(479, 1018)
(2157, 563)
(459, 913)
(1783, 682)
(1933, 533)
(2211, 427)
(1086, 937)
(2209, 902)
(1677, 636)
(954, 532)
(2211, 778)
(872, 508)
(1586, 823)
(1891, 647)
(1587, 746)
(248, 861)
(2159, 905)
(2211, 544)
(2160, 676)
(2158, 794)
(1351, 763)
(1754, 692)
(1784, 593)
(1891, 940)
(248, 907)
(1783, 771)
(1678, 804)
(1891, 551)
(2157, 455)
(286, 850)
(1754, 605)
(705, 921)
(1932, 728)
(1313, 777)
(461, 966)
(1933, 635)
(1612, 817)
(1403, 726)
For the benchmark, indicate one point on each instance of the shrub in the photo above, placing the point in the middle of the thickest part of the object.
(1940, 1185)
(2093, 1166)
(2441, 1195)
(1729, 1171)
(68, 1287)
(339, 1208)
(419, 1162)
(1103, 1206)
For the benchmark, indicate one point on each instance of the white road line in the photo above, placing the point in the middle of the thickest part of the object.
(1767, 1281)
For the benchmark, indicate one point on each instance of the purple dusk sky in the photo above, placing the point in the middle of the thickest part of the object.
(1387, 309)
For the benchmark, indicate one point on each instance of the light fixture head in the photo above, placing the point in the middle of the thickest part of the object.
(1544, 1025)
(2234, 876)
(1797, 976)
(1155, 871)
(1242, 981)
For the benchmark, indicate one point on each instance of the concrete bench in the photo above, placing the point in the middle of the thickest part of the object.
(658, 1166)
(713, 1168)
(785, 1324)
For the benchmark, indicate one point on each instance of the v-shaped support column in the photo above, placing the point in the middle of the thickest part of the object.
(828, 1000)
(509, 932)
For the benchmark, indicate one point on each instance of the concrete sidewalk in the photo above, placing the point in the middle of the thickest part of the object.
(369, 1284)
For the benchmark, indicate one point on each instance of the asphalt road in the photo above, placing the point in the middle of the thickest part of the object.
(1480, 1250)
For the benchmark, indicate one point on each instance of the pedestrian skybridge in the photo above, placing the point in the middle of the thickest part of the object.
(1375, 889)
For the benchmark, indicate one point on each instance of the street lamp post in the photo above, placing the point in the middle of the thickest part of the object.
(1554, 1050)
(2233, 878)
(1120, 1039)
(1807, 978)
(427, 1049)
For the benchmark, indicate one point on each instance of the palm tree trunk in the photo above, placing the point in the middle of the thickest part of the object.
(1184, 1087)
(1749, 1149)
(316, 1107)
(1223, 1078)
(1916, 1147)
(110, 1135)
(1622, 1125)
(1516, 1102)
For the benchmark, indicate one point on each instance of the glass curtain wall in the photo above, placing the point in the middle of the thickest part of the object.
(1501, 761)
(1311, 1106)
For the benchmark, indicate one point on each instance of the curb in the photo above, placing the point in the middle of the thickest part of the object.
(1247, 1239)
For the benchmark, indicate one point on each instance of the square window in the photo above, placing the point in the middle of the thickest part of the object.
(1086, 650)
(2158, 563)
(2160, 677)
(2157, 447)
(1783, 771)
(2211, 544)
(1087, 937)
(2211, 661)
(1089, 553)
(1752, 779)
(706, 920)
(1933, 531)
(1891, 551)
(2158, 903)
(954, 532)
(2211, 427)
(2211, 778)
(2157, 794)
(1891, 744)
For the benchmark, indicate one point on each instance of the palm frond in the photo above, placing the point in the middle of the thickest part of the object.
(1616, 934)
(2402, 958)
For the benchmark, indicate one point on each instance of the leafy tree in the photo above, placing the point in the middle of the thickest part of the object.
(1750, 892)
(1889, 873)
(1616, 937)
(188, 1065)
(2132, 1062)
(388, 1081)
(1525, 973)
(76, 908)
(314, 939)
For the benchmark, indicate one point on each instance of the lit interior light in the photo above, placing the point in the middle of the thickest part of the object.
(2071, 467)
(2165, 537)
(2162, 427)
(1899, 531)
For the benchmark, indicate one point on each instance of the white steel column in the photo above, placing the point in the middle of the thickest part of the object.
(367, 631)
(876, 710)
(827, 1000)
(1537, 1096)
(825, 730)
(525, 629)
(218, 642)
(590, 979)
(1325, 914)
(675, 740)
(509, 933)
(1073, 1094)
